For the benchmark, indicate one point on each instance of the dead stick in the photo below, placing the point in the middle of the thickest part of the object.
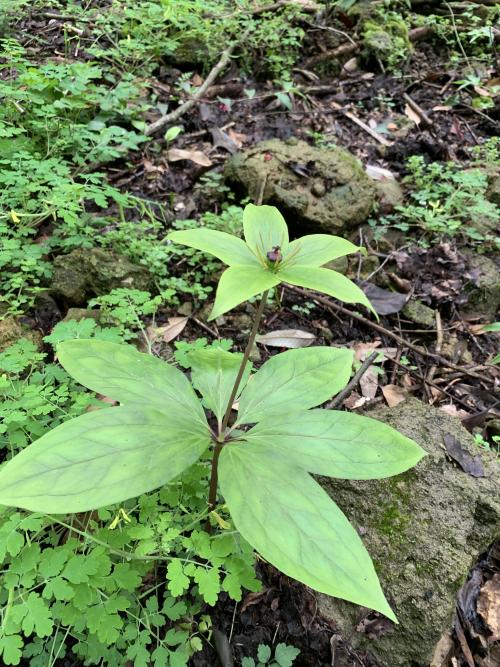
(417, 109)
(378, 327)
(334, 403)
(373, 133)
(345, 49)
(173, 116)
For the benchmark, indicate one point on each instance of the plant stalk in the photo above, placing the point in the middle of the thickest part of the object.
(214, 477)
(246, 356)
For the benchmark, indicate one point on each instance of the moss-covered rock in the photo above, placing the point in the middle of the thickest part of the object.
(325, 189)
(88, 272)
(424, 530)
(418, 312)
(12, 330)
(483, 289)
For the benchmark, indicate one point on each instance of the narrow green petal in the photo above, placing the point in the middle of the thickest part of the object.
(327, 282)
(228, 248)
(240, 283)
(265, 228)
(318, 249)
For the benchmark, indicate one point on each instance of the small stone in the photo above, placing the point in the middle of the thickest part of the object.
(369, 265)
(78, 314)
(318, 189)
(341, 265)
(185, 309)
(11, 330)
(88, 272)
(418, 312)
(484, 287)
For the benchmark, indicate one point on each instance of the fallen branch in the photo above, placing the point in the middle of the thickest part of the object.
(174, 116)
(334, 403)
(346, 49)
(332, 306)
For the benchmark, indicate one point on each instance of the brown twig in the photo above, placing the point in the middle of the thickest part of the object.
(335, 402)
(439, 345)
(348, 48)
(330, 305)
(174, 116)
(417, 109)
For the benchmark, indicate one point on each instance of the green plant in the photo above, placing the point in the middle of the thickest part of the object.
(446, 200)
(90, 585)
(284, 656)
(263, 459)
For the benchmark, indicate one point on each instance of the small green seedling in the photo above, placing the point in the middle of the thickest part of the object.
(284, 656)
(262, 459)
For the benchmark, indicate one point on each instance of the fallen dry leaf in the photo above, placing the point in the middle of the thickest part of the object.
(412, 115)
(198, 157)
(384, 301)
(238, 137)
(444, 649)
(452, 410)
(169, 331)
(290, 338)
(223, 140)
(368, 383)
(394, 394)
(488, 605)
(377, 173)
(470, 464)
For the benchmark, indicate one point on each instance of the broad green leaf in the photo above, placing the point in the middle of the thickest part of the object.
(265, 228)
(130, 377)
(336, 444)
(101, 458)
(326, 281)
(228, 248)
(295, 380)
(213, 373)
(293, 523)
(240, 283)
(318, 249)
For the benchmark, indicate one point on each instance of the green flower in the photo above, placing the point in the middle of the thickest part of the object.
(267, 258)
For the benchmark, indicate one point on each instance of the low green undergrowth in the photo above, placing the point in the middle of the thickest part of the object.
(446, 200)
(133, 581)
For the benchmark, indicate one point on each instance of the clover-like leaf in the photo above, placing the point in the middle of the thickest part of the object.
(326, 281)
(228, 248)
(264, 228)
(295, 380)
(130, 377)
(101, 458)
(213, 373)
(239, 283)
(335, 444)
(318, 249)
(293, 523)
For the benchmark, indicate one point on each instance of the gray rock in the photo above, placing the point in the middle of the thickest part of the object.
(418, 312)
(484, 290)
(424, 530)
(12, 330)
(92, 272)
(326, 189)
